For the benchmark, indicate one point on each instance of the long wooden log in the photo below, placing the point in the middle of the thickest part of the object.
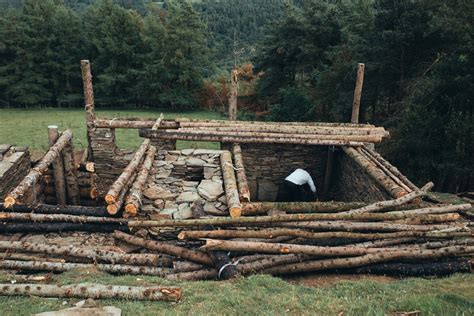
(133, 200)
(124, 178)
(233, 94)
(366, 226)
(94, 291)
(42, 228)
(244, 191)
(89, 105)
(357, 93)
(417, 213)
(376, 138)
(375, 173)
(39, 169)
(396, 202)
(200, 122)
(256, 208)
(58, 166)
(278, 248)
(84, 192)
(429, 219)
(5, 216)
(83, 252)
(277, 232)
(70, 172)
(115, 207)
(319, 265)
(134, 123)
(390, 167)
(175, 135)
(56, 209)
(283, 128)
(230, 185)
(180, 252)
(204, 274)
(66, 266)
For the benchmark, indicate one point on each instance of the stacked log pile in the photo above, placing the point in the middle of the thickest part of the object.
(331, 134)
(403, 236)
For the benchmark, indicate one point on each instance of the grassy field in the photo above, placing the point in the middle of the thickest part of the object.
(265, 295)
(29, 127)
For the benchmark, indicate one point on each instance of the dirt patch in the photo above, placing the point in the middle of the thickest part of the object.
(318, 280)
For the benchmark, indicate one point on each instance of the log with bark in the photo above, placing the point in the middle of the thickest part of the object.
(416, 213)
(40, 228)
(45, 218)
(230, 185)
(133, 200)
(180, 252)
(94, 291)
(391, 203)
(353, 262)
(257, 208)
(175, 135)
(85, 252)
(66, 266)
(70, 174)
(89, 105)
(114, 208)
(40, 168)
(357, 93)
(135, 123)
(56, 209)
(244, 191)
(58, 166)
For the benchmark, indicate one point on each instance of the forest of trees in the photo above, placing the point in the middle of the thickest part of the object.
(419, 80)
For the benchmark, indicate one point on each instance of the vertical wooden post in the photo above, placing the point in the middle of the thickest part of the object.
(58, 167)
(71, 174)
(357, 93)
(89, 104)
(234, 82)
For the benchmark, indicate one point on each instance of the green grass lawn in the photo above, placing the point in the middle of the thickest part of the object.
(265, 295)
(29, 127)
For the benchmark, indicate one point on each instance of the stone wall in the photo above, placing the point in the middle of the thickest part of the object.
(352, 183)
(14, 166)
(267, 166)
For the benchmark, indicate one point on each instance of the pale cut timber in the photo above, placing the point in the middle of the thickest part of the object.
(396, 202)
(120, 184)
(180, 252)
(94, 291)
(115, 207)
(83, 252)
(230, 185)
(89, 105)
(133, 123)
(283, 136)
(38, 170)
(256, 208)
(45, 218)
(244, 191)
(301, 233)
(326, 264)
(357, 93)
(375, 173)
(66, 266)
(133, 201)
(276, 248)
(58, 166)
(225, 123)
(416, 214)
(174, 135)
(292, 129)
(72, 185)
(233, 94)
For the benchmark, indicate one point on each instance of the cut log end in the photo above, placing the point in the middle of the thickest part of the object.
(110, 199)
(94, 194)
(90, 166)
(9, 201)
(182, 236)
(235, 212)
(130, 210)
(112, 209)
